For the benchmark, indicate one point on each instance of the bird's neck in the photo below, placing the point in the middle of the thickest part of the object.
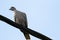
(14, 12)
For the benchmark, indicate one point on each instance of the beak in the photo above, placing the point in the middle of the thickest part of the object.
(9, 9)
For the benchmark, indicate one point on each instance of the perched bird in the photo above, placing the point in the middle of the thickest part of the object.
(20, 18)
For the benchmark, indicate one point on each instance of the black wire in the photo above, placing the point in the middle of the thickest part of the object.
(30, 31)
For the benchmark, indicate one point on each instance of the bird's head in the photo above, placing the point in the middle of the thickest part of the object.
(12, 8)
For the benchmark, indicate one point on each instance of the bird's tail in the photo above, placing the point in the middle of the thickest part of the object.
(27, 35)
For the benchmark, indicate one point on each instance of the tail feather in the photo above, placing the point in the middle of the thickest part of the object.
(27, 35)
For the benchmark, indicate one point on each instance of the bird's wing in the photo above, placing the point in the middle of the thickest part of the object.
(25, 20)
(21, 18)
(15, 18)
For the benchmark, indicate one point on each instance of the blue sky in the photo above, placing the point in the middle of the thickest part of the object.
(43, 16)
